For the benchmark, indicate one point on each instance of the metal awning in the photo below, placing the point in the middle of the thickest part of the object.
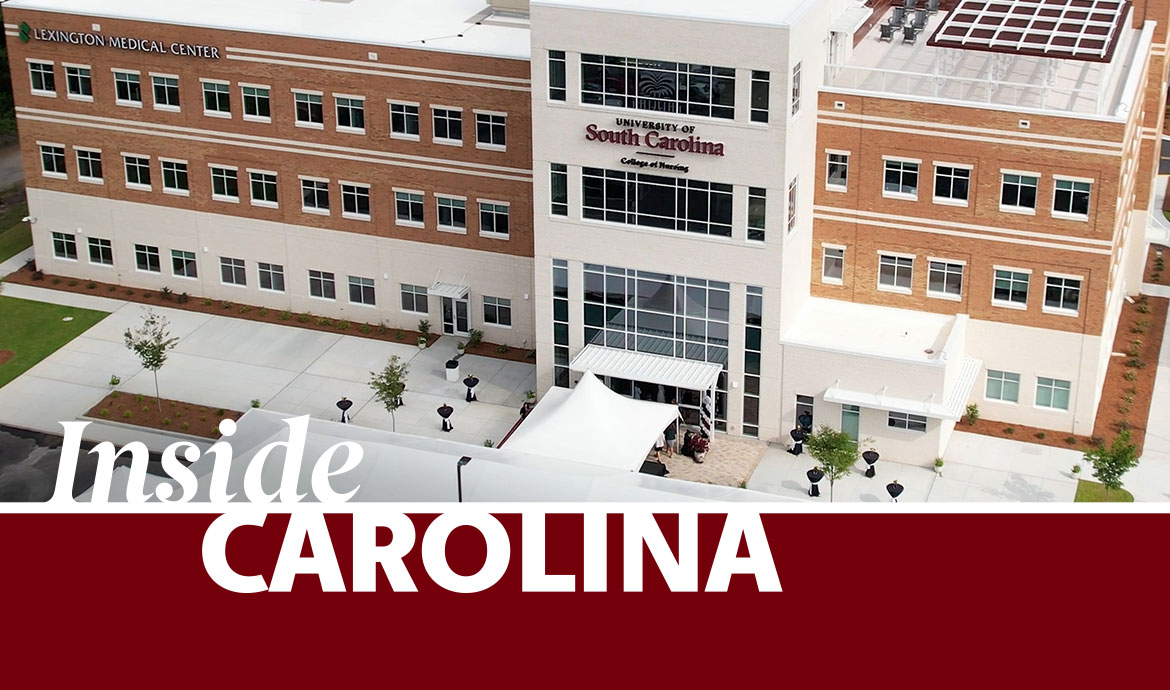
(451, 290)
(641, 366)
(849, 21)
(949, 406)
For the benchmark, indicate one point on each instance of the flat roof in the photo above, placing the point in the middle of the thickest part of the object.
(850, 327)
(768, 12)
(443, 25)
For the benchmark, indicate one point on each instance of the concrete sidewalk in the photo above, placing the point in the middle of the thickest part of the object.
(227, 362)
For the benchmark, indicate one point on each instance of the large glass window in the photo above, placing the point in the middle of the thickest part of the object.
(404, 120)
(837, 170)
(559, 189)
(183, 264)
(909, 422)
(448, 123)
(315, 195)
(263, 188)
(231, 271)
(1062, 293)
(945, 278)
(309, 110)
(137, 172)
(225, 184)
(64, 246)
(41, 75)
(760, 89)
(661, 86)
(497, 311)
(146, 258)
(556, 75)
(79, 82)
(174, 174)
(753, 344)
(901, 178)
(757, 213)
(1072, 197)
(257, 103)
(101, 251)
(491, 130)
(1003, 386)
(89, 165)
(796, 88)
(351, 114)
(493, 218)
(661, 314)
(217, 98)
(560, 292)
(53, 160)
(355, 200)
(414, 299)
(952, 183)
(895, 272)
(322, 285)
(657, 202)
(1019, 192)
(408, 207)
(1052, 393)
(452, 213)
(166, 92)
(833, 265)
(127, 88)
(361, 290)
(1011, 286)
(271, 276)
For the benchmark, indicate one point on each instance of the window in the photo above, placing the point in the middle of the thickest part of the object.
(491, 130)
(127, 88)
(1062, 294)
(146, 258)
(1018, 192)
(1011, 287)
(351, 114)
(309, 110)
(944, 279)
(452, 213)
(79, 82)
(560, 317)
(909, 422)
(231, 271)
(753, 343)
(174, 174)
(183, 264)
(556, 75)
(53, 160)
(315, 196)
(101, 252)
(493, 218)
(448, 123)
(166, 92)
(792, 196)
(263, 186)
(497, 311)
(257, 103)
(322, 285)
(833, 265)
(225, 184)
(414, 299)
(361, 290)
(217, 98)
(137, 172)
(43, 81)
(1052, 393)
(796, 89)
(837, 171)
(404, 120)
(355, 200)
(1072, 198)
(1003, 386)
(408, 207)
(658, 85)
(559, 189)
(895, 272)
(901, 178)
(760, 88)
(64, 246)
(271, 277)
(657, 202)
(757, 213)
(89, 165)
(952, 184)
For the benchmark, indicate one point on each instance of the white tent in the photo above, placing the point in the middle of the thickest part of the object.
(592, 424)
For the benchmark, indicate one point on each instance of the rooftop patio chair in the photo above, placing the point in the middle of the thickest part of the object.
(909, 34)
(899, 17)
(920, 19)
(887, 33)
(932, 6)
(909, 4)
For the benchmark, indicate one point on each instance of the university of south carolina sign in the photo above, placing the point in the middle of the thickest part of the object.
(660, 136)
(142, 45)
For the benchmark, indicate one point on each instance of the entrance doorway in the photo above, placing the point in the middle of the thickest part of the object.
(455, 316)
(851, 421)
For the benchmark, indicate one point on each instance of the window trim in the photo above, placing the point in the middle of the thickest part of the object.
(165, 107)
(948, 201)
(494, 235)
(84, 178)
(1019, 210)
(342, 184)
(1060, 311)
(163, 180)
(962, 279)
(136, 185)
(203, 82)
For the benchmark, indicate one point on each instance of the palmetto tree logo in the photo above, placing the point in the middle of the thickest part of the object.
(25, 32)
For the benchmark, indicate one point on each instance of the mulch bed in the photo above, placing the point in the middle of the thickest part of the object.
(1154, 273)
(1128, 390)
(5, 355)
(27, 276)
(176, 416)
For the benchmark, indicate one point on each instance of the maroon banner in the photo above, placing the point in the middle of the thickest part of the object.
(918, 600)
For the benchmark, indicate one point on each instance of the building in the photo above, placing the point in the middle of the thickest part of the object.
(787, 208)
(358, 160)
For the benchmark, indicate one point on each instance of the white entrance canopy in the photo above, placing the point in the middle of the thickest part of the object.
(950, 408)
(451, 290)
(591, 424)
(641, 366)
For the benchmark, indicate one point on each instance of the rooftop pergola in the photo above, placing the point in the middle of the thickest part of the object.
(1076, 29)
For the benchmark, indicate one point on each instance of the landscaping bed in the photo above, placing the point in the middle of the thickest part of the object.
(1029, 434)
(1155, 265)
(31, 331)
(28, 276)
(176, 416)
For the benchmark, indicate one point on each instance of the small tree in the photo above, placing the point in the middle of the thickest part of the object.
(1110, 464)
(389, 384)
(834, 451)
(152, 342)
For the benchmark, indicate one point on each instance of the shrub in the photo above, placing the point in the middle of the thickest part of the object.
(114, 380)
(166, 421)
(245, 309)
(90, 285)
(186, 426)
(104, 412)
(1130, 375)
(342, 325)
(285, 315)
(1010, 430)
(203, 418)
(1071, 440)
(127, 414)
(1128, 398)
(73, 283)
(255, 402)
(381, 330)
(1123, 425)
(531, 354)
(262, 312)
(1123, 409)
(40, 275)
(488, 443)
(1134, 363)
(1143, 308)
(424, 327)
(502, 349)
(183, 297)
(219, 412)
(1133, 352)
(56, 281)
(972, 414)
(207, 303)
(225, 305)
(1041, 435)
(147, 295)
(111, 288)
(146, 408)
(138, 398)
(474, 337)
(303, 318)
(365, 328)
(322, 321)
(1137, 330)
(129, 293)
(165, 294)
(1136, 344)
(114, 395)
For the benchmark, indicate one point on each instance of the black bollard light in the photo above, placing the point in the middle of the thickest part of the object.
(895, 490)
(798, 437)
(471, 382)
(870, 457)
(814, 475)
(445, 411)
(344, 404)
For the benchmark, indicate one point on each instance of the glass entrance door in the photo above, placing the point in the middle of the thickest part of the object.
(851, 421)
(455, 319)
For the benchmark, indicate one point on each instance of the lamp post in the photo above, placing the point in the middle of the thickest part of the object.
(895, 490)
(459, 474)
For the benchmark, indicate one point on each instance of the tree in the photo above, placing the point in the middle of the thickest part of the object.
(151, 342)
(1110, 464)
(389, 384)
(835, 453)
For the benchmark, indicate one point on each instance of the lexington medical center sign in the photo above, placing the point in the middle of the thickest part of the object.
(144, 45)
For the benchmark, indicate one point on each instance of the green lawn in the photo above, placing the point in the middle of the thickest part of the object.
(34, 330)
(15, 236)
(1092, 492)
